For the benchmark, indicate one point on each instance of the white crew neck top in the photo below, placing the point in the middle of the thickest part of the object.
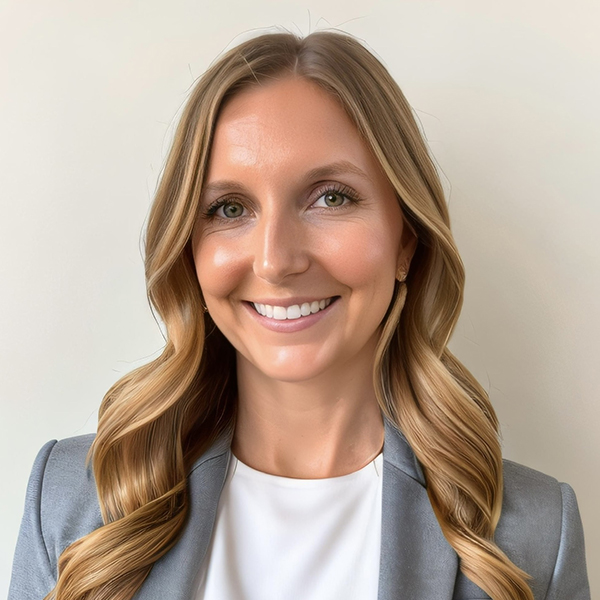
(295, 539)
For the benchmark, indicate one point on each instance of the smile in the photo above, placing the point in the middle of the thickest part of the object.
(282, 313)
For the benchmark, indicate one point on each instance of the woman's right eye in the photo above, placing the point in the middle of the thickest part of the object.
(232, 209)
(225, 209)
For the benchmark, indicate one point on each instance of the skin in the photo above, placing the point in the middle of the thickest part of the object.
(307, 407)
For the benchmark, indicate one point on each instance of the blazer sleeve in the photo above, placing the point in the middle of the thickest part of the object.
(570, 579)
(32, 575)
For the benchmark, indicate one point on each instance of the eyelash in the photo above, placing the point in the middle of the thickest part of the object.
(342, 190)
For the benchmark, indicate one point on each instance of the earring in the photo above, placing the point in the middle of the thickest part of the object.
(204, 309)
(401, 274)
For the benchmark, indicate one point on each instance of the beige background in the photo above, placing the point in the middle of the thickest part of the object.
(508, 94)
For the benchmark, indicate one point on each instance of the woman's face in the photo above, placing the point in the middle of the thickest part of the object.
(296, 214)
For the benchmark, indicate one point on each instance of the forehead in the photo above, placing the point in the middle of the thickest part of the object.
(290, 123)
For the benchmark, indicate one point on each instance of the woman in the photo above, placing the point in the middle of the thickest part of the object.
(306, 433)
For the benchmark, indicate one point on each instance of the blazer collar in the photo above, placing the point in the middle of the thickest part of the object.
(416, 560)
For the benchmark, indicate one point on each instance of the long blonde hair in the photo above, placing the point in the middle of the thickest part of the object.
(158, 419)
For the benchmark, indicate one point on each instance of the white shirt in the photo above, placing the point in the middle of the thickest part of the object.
(280, 538)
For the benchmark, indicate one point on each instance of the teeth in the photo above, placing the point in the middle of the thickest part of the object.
(281, 313)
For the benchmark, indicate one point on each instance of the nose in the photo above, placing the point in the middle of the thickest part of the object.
(280, 247)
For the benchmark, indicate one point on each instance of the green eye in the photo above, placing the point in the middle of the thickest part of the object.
(224, 209)
(233, 209)
(333, 198)
(335, 195)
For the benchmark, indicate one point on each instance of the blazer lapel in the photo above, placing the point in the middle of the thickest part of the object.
(417, 563)
(174, 576)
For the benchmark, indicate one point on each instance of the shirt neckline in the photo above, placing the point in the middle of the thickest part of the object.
(371, 470)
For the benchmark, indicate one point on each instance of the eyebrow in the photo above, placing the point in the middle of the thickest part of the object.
(336, 168)
(341, 167)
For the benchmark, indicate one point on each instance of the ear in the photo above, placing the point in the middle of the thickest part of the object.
(408, 246)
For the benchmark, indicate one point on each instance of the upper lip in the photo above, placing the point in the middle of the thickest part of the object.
(287, 302)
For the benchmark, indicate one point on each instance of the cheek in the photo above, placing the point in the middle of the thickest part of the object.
(218, 267)
(362, 256)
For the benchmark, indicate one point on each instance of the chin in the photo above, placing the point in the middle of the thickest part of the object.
(291, 373)
(293, 369)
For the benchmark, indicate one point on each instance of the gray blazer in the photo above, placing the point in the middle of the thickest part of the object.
(540, 528)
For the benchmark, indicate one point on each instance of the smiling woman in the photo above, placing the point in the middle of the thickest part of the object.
(306, 432)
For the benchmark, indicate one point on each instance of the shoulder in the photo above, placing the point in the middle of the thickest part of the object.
(531, 511)
(68, 504)
(64, 465)
(527, 490)
(60, 507)
(67, 457)
(540, 527)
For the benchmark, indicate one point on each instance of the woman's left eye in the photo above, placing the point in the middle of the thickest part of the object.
(332, 199)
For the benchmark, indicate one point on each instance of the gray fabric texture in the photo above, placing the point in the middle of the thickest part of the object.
(540, 528)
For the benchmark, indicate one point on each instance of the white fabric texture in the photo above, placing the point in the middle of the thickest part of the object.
(281, 538)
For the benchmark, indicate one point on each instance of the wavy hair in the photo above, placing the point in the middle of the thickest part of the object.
(157, 420)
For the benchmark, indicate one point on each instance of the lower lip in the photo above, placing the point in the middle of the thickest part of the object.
(290, 325)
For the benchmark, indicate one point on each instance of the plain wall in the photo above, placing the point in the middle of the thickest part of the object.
(508, 95)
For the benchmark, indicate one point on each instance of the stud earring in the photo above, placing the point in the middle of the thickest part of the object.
(401, 274)
(204, 309)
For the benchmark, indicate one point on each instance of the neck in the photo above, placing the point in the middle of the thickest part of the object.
(325, 427)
